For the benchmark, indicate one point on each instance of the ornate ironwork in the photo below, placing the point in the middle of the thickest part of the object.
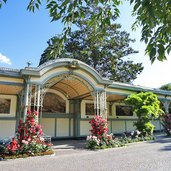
(100, 103)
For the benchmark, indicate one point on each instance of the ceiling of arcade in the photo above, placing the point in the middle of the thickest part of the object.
(10, 89)
(71, 86)
(74, 87)
(115, 97)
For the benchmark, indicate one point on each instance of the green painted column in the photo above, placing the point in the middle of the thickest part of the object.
(77, 116)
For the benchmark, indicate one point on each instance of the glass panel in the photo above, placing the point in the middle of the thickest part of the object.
(90, 109)
(54, 104)
(124, 111)
(5, 106)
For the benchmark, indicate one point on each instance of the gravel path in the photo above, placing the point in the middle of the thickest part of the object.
(146, 156)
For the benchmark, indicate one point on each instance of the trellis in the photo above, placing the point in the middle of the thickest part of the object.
(34, 94)
(100, 103)
(166, 103)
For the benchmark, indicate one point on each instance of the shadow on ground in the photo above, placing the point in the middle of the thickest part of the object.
(163, 139)
(69, 144)
(74, 146)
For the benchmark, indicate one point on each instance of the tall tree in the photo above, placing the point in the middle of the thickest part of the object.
(154, 16)
(105, 50)
(166, 87)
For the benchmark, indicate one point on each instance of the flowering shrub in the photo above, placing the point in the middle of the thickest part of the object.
(166, 123)
(99, 127)
(29, 130)
(99, 137)
(13, 147)
(28, 138)
(92, 142)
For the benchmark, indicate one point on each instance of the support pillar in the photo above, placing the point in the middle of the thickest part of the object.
(26, 97)
(100, 103)
(33, 98)
(166, 104)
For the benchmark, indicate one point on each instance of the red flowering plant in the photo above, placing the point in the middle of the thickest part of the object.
(99, 127)
(166, 123)
(13, 147)
(28, 138)
(99, 133)
(29, 130)
(29, 135)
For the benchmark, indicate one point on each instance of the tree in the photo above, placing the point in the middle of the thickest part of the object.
(147, 107)
(153, 16)
(166, 87)
(104, 50)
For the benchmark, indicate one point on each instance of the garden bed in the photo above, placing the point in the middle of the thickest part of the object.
(28, 141)
(100, 139)
(50, 152)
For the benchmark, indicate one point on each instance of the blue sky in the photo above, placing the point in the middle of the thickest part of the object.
(23, 37)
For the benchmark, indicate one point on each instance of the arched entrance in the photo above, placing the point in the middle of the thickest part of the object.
(61, 110)
(77, 89)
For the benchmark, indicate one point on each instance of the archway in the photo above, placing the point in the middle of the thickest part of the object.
(69, 90)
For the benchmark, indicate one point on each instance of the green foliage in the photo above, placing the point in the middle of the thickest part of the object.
(1, 2)
(146, 128)
(2, 149)
(94, 143)
(155, 19)
(28, 139)
(130, 138)
(153, 16)
(166, 87)
(147, 107)
(103, 49)
(99, 139)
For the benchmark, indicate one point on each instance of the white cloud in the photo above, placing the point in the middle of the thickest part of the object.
(5, 60)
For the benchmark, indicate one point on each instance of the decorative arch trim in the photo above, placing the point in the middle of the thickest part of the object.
(65, 62)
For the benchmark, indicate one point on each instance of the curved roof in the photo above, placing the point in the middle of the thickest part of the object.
(65, 62)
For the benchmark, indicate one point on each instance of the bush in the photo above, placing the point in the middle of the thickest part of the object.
(28, 139)
(2, 149)
(146, 128)
(99, 138)
(166, 123)
(147, 107)
(99, 127)
(92, 142)
(135, 136)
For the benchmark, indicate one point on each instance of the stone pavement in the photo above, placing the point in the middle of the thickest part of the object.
(143, 156)
(68, 146)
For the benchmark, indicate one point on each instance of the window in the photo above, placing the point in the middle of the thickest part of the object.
(89, 109)
(8, 105)
(53, 103)
(5, 105)
(122, 110)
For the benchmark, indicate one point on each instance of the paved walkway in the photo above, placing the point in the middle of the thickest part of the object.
(68, 146)
(145, 156)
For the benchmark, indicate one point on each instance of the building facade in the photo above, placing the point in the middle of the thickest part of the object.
(67, 93)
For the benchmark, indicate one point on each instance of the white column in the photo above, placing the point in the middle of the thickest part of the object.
(166, 104)
(38, 96)
(100, 103)
(26, 94)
